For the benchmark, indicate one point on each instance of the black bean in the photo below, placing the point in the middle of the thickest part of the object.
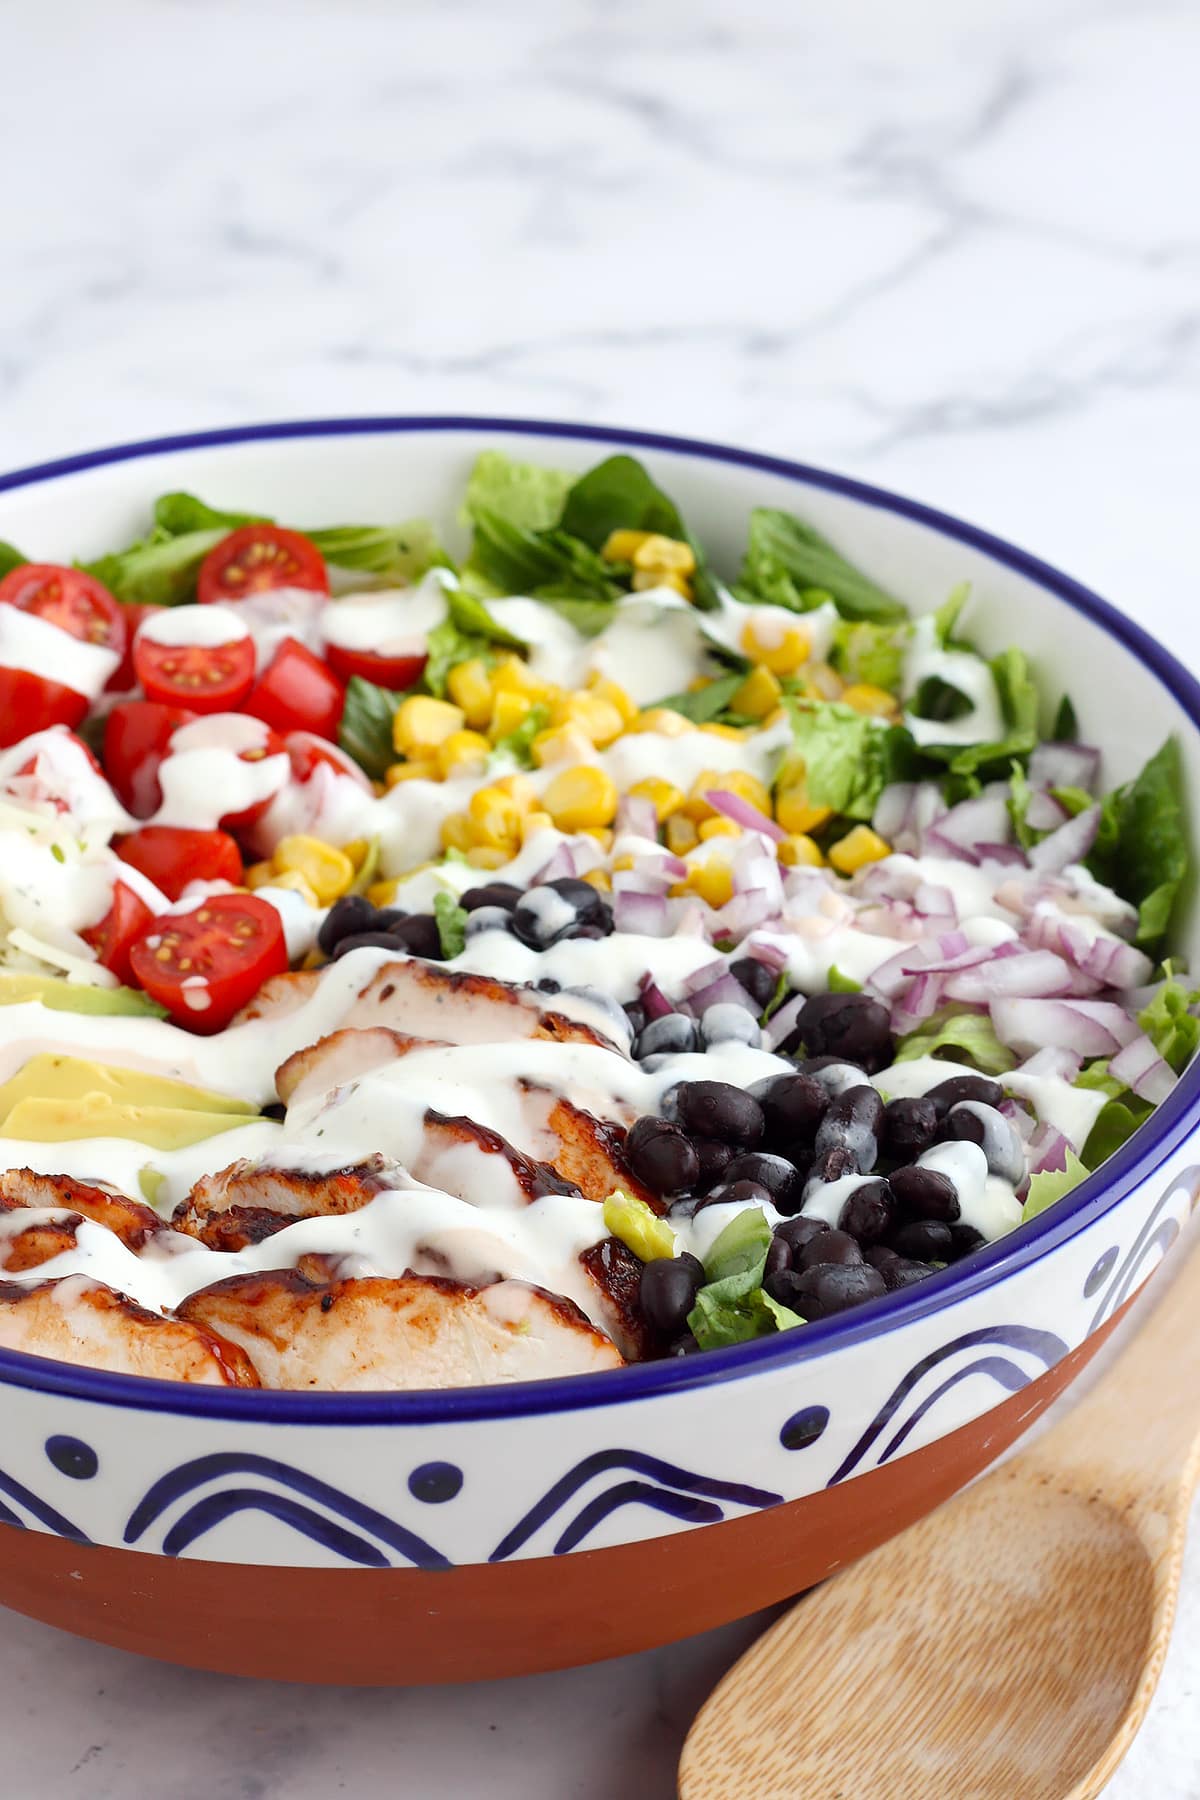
(716, 1109)
(909, 1127)
(661, 1157)
(542, 916)
(879, 1256)
(490, 893)
(350, 916)
(589, 902)
(591, 931)
(800, 1231)
(868, 1212)
(966, 1087)
(274, 1109)
(714, 1157)
(975, 1123)
(685, 1345)
(779, 1257)
(486, 918)
(742, 1191)
(782, 1285)
(832, 1074)
(852, 1026)
(964, 1239)
(793, 1107)
(546, 984)
(926, 1240)
(635, 1012)
(780, 1177)
(728, 1023)
(674, 1034)
(759, 981)
(904, 1271)
(830, 1288)
(831, 1165)
(926, 1193)
(420, 936)
(388, 917)
(367, 940)
(667, 1292)
(852, 1122)
(828, 1247)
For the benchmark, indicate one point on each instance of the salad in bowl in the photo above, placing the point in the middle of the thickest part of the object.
(525, 943)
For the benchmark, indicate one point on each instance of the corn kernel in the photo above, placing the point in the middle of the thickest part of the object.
(495, 819)
(383, 893)
(470, 687)
(733, 734)
(613, 692)
(532, 823)
(730, 781)
(295, 882)
(666, 797)
(463, 752)
(712, 828)
(328, 871)
(779, 645)
(711, 880)
(581, 796)
(758, 694)
(681, 834)
(792, 809)
(481, 856)
(596, 717)
(600, 879)
(422, 722)
(603, 834)
(508, 711)
(423, 769)
(664, 720)
(799, 851)
(876, 702)
(563, 744)
(664, 554)
(259, 874)
(623, 546)
(645, 580)
(512, 676)
(358, 852)
(858, 848)
(456, 832)
(520, 790)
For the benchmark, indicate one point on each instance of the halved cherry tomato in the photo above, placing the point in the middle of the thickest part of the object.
(114, 937)
(124, 681)
(393, 672)
(75, 602)
(137, 736)
(172, 855)
(257, 557)
(308, 753)
(46, 789)
(206, 677)
(30, 703)
(205, 964)
(296, 692)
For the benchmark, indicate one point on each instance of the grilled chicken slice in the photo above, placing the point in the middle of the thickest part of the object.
(342, 1057)
(415, 1332)
(617, 1274)
(130, 1220)
(245, 1203)
(427, 1000)
(80, 1321)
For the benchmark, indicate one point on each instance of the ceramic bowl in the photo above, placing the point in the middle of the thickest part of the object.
(483, 1532)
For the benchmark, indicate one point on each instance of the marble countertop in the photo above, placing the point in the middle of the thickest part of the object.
(950, 249)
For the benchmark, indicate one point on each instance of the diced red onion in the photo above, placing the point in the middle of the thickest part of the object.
(692, 919)
(919, 1003)
(905, 809)
(726, 987)
(653, 999)
(1034, 973)
(644, 914)
(1054, 1062)
(1091, 1027)
(935, 903)
(1047, 1149)
(1009, 855)
(1064, 765)
(1105, 959)
(983, 820)
(743, 813)
(1044, 813)
(1069, 844)
(1141, 1068)
(637, 816)
(743, 911)
(561, 865)
(771, 955)
(782, 1024)
(1019, 1117)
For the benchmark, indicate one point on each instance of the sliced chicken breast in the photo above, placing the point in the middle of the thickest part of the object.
(130, 1220)
(246, 1203)
(80, 1321)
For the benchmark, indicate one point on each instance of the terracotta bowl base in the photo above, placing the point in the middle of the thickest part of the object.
(396, 1627)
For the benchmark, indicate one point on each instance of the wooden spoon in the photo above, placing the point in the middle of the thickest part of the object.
(1005, 1648)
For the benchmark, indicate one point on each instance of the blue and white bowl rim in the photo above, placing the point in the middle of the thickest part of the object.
(1173, 1121)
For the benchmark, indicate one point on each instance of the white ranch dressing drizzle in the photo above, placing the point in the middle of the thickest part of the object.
(206, 776)
(203, 626)
(968, 674)
(28, 641)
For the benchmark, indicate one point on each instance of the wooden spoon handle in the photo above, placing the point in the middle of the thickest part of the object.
(1138, 1433)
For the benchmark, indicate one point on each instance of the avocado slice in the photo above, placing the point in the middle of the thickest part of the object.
(76, 996)
(57, 1121)
(78, 1080)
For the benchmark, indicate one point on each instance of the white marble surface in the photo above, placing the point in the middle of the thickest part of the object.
(951, 248)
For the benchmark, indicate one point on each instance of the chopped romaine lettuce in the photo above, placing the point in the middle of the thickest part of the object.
(10, 558)
(1048, 1188)
(365, 732)
(1170, 1024)
(451, 921)
(786, 560)
(527, 494)
(1141, 850)
(702, 705)
(871, 653)
(963, 1036)
(617, 495)
(519, 743)
(947, 616)
(843, 753)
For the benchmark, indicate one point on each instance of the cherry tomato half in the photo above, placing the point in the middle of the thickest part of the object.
(257, 557)
(307, 753)
(30, 703)
(125, 680)
(205, 964)
(206, 677)
(172, 855)
(296, 692)
(137, 736)
(113, 938)
(75, 602)
(393, 672)
(47, 778)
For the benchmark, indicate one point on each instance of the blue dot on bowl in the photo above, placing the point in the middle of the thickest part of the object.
(434, 1482)
(71, 1456)
(804, 1427)
(1100, 1273)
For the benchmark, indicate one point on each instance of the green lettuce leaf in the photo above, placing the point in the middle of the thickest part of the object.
(741, 1246)
(703, 705)
(365, 732)
(871, 653)
(528, 495)
(1171, 1027)
(179, 513)
(837, 983)
(395, 553)
(10, 558)
(1066, 725)
(451, 920)
(1046, 1189)
(785, 557)
(1141, 850)
(474, 620)
(963, 1037)
(947, 615)
(618, 494)
(159, 570)
(844, 754)
(445, 647)
(516, 560)
(589, 617)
